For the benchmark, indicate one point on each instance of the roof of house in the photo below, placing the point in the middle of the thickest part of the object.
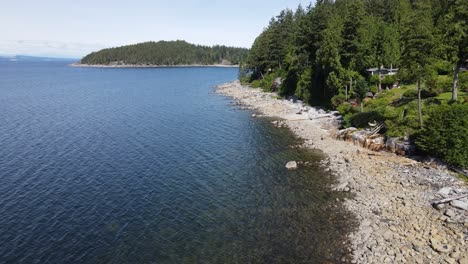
(382, 69)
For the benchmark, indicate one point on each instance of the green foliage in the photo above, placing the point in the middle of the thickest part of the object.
(338, 40)
(167, 53)
(444, 83)
(303, 86)
(463, 82)
(337, 100)
(360, 90)
(443, 67)
(347, 108)
(389, 80)
(448, 96)
(324, 51)
(266, 84)
(446, 133)
(361, 120)
(413, 94)
(347, 111)
(374, 79)
(418, 43)
(270, 48)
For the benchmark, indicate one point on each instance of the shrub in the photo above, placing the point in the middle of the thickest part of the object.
(346, 108)
(443, 67)
(303, 86)
(413, 94)
(347, 111)
(361, 120)
(463, 82)
(388, 81)
(266, 83)
(444, 83)
(374, 79)
(446, 134)
(337, 100)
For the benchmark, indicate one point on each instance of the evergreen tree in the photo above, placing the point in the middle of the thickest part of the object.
(360, 92)
(417, 42)
(456, 38)
(166, 53)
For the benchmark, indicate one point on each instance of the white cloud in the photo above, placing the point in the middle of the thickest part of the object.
(47, 48)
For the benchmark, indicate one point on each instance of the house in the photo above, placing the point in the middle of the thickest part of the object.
(369, 96)
(382, 74)
(353, 102)
(382, 71)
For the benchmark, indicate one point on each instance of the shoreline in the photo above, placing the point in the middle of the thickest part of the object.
(79, 65)
(392, 194)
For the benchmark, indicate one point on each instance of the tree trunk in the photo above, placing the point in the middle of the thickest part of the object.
(419, 104)
(346, 93)
(455, 82)
(362, 106)
(380, 81)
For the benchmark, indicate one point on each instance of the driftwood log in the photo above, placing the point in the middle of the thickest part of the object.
(446, 200)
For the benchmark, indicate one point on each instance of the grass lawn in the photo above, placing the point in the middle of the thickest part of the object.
(448, 96)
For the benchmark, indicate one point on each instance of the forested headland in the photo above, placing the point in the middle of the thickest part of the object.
(167, 53)
(400, 63)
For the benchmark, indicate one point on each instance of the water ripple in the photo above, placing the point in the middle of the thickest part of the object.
(149, 166)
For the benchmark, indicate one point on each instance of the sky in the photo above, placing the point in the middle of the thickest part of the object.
(73, 28)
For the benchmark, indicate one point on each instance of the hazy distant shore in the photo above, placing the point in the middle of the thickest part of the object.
(149, 66)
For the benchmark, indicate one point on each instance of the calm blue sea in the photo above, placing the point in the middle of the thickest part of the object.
(150, 166)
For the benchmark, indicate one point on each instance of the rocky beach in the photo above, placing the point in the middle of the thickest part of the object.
(408, 211)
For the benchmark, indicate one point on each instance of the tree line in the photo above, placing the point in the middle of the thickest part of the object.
(167, 53)
(322, 54)
(320, 50)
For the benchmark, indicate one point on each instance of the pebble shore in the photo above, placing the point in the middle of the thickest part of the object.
(392, 195)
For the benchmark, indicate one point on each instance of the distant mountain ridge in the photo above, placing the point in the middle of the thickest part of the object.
(166, 53)
(31, 58)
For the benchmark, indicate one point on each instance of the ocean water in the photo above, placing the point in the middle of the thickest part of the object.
(151, 166)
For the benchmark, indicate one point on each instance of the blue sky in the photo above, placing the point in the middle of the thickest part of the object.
(66, 28)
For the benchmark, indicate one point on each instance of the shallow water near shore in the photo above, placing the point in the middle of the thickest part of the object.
(150, 166)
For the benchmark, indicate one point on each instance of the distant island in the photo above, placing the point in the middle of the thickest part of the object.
(164, 53)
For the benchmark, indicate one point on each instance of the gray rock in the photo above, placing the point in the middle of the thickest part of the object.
(388, 235)
(450, 261)
(439, 206)
(418, 245)
(450, 213)
(341, 186)
(292, 165)
(440, 247)
(445, 192)
(460, 205)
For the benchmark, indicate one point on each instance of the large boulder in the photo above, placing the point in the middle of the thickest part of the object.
(359, 137)
(345, 134)
(400, 146)
(292, 165)
(460, 205)
(375, 142)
